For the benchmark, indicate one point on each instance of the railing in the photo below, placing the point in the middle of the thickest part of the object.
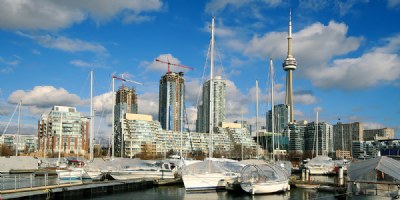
(32, 180)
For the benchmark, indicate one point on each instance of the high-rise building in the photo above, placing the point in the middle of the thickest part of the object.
(296, 132)
(289, 65)
(171, 101)
(345, 134)
(219, 87)
(125, 102)
(323, 138)
(281, 118)
(379, 134)
(67, 123)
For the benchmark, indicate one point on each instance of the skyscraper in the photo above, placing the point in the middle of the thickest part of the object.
(281, 117)
(125, 102)
(171, 101)
(289, 65)
(203, 117)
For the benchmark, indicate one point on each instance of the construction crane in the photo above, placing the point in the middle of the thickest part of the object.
(125, 80)
(173, 64)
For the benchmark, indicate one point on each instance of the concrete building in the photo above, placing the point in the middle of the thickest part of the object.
(289, 65)
(323, 137)
(345, 134)
(65, 123)
(171, 101)
(26, 143)
(296, 132)
(379, 134)
(203, 117)
(281, 117)
(125, 102)
(144, 135)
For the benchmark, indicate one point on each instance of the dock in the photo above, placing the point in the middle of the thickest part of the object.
(77, 190)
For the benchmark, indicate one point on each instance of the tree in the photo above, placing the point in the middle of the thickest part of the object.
(6, 150)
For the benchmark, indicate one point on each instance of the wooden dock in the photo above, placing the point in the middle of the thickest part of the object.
(76, 190)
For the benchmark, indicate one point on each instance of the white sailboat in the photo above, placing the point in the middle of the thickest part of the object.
(212, 173)
(320, 164)
(268, 177)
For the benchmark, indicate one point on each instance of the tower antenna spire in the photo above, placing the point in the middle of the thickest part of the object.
(289, 65)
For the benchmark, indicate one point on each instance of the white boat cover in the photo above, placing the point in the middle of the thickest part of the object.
(366, 170)
(213, 165)
(320, 161)
(264, 173)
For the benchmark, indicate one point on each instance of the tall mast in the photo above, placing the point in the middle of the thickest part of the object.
(271, 64)
(211, 148)
(60, 141)
(91, 116)
(257, 117)
(316, 129)
(113, 123)
(19, 128)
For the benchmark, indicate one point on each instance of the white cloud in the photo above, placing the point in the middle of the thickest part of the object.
(393, 3)
(52, 15)
(236, 104)
(65, 44)
(372, 125)
(41, 98)
(163, 67)
(318, 109)
(148, 104)
(215, 6)
(316, 45)
(365, 71)
(80, 63)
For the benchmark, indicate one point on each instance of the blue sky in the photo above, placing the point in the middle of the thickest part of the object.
(347, 54)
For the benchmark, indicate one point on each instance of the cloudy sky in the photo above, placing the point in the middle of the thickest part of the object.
(347, 54)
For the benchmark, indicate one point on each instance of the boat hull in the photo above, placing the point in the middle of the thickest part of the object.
(125, 175)
(266, 187)
(208, 181)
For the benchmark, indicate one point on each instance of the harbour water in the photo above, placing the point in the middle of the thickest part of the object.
(178, 192)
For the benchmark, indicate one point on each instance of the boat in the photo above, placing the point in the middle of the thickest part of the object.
(70, 174)
(136, 169)
(320, 165)
(307, 185)
(264, 179)
(212, 173)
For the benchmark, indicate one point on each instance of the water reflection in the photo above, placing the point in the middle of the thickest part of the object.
(178, 192)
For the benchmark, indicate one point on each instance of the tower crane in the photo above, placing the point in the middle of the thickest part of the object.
(173, 64)
(125, 80)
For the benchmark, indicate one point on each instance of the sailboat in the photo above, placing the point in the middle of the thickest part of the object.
(269, 177)
(320, 164)
(212, 173)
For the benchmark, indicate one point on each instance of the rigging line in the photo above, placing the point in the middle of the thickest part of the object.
(220, 60)
(202, 79)
(10, 119)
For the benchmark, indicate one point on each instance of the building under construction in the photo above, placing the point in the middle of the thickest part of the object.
(125, 102)
(171, 101)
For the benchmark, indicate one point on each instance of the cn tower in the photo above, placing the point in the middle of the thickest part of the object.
(289, 65)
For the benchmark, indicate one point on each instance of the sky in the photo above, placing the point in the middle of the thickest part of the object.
(347, 54)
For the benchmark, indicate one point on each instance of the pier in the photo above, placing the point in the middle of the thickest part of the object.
(77, 190)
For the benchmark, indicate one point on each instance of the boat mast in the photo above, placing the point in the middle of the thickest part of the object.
(256, 118)
(91, 117)
(60, 141)
(113, 123)
(211, 149)
(272, 107)
(19, 128)
(316, 130)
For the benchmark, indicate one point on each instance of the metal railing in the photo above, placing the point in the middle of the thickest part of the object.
(33, 180)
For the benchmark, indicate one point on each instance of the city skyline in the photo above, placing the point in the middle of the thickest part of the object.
(346, 69)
